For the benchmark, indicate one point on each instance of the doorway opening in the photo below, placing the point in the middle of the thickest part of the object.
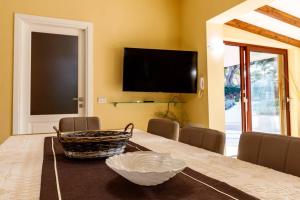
(256, 92)
(233, 101)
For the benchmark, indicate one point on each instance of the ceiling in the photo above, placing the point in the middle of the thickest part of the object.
(271, 24)
(289, 6)
(279, 20)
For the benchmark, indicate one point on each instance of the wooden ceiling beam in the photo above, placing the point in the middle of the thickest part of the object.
(263, 32)
(280, 15)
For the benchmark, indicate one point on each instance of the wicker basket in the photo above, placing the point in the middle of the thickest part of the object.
(94, 144)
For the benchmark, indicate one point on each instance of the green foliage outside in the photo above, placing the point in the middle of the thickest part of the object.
(264, 86)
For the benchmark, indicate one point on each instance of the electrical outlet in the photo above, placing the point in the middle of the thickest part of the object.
(101, 100)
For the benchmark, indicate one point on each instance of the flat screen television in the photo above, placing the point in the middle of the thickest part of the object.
(154, 70)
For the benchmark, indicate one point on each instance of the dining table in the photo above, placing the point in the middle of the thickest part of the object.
(21, 164)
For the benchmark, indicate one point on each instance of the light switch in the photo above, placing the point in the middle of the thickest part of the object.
(101, 100)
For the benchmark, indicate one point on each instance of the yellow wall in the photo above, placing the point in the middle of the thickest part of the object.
(117, 24)
(294, 77)
(236, 35)
(194, 14)
(171, 24)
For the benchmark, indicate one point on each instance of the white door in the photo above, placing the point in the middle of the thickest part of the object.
(53, 77)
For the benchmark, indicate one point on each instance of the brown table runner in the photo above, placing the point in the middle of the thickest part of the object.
(92, 179)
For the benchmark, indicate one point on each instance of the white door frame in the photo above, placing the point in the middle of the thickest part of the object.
(22, 21)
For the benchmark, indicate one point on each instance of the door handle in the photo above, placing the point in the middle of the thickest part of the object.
(80, 105)
(80, 99)
(245, 100)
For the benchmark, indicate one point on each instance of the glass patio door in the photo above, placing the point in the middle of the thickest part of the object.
(256, 92)
(266, 86)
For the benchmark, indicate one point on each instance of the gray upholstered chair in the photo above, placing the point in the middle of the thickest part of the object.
(164, 127)
(208, 139)
(79, 124)
(278, 152)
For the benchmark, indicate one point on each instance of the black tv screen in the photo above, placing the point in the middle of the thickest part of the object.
(153, 70)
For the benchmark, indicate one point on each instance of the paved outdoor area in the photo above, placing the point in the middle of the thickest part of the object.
(260, 123)
(232, 142)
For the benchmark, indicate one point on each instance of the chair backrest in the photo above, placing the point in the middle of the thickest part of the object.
(208, 139)
(274, 151)
(164, 127)
(69, 124)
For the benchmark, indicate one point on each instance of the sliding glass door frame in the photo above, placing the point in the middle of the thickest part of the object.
(245, 76)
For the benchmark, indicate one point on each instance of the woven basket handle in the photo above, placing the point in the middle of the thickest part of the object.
(129, 125)
(58, 133)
